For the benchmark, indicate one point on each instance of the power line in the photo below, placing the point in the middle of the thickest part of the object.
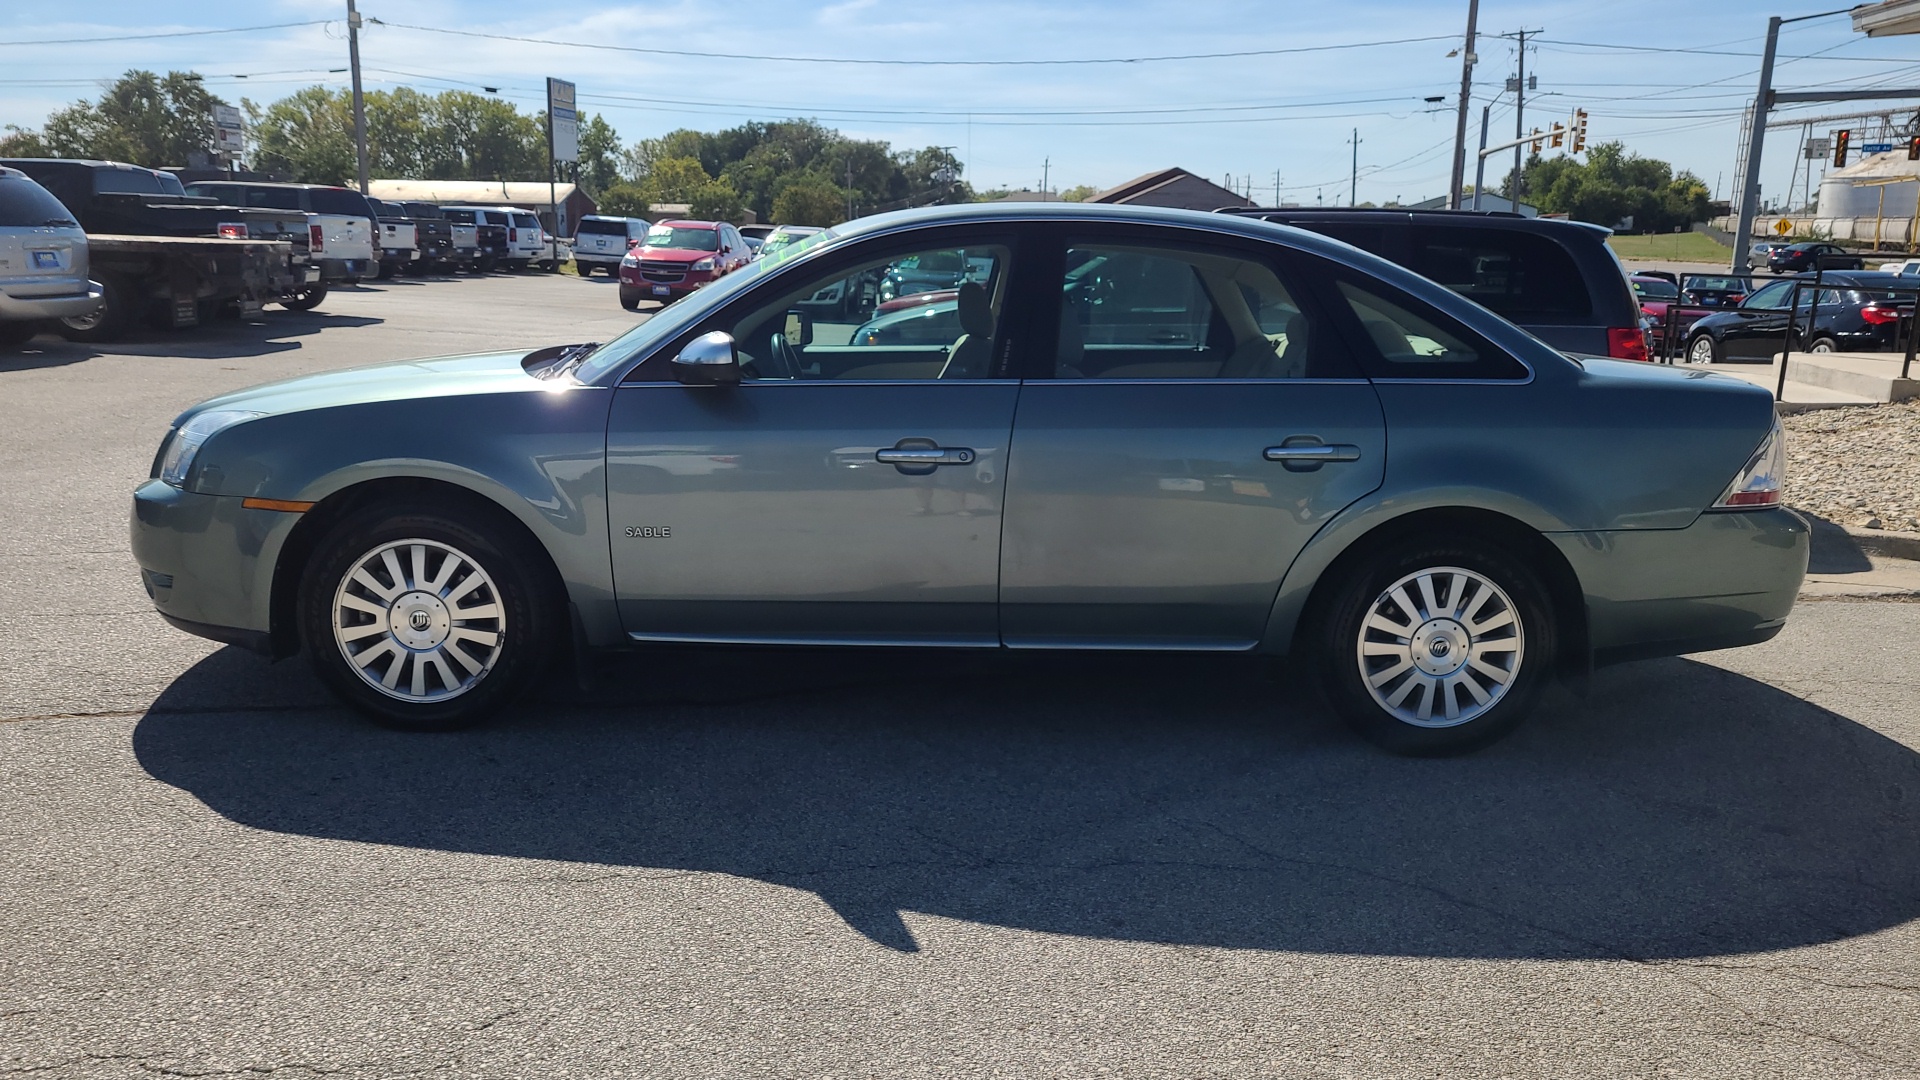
(893, 62)
(170, 34)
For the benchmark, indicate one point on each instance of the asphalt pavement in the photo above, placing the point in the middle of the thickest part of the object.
(899, 864)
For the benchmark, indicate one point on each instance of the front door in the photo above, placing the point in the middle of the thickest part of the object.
(1761, 328)
(1202, 422)
(848, 491)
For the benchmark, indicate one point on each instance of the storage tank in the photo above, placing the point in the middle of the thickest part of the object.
(1843, 196)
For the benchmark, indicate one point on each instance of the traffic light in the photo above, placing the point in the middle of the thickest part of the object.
(1536, 140)
(1579, 130)
(1913, 148)
(1559, 133)
(1840, 140)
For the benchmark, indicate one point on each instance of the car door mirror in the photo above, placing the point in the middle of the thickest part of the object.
(708, 360)
(798, 330)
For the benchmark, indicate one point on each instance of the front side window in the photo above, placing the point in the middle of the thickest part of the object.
(1413, 342)
(834, 326)
(683, 238)
(1148, 312)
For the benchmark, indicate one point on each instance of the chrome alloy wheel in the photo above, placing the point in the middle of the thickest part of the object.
(1440, 647)
(419, 620)
(1701, 351)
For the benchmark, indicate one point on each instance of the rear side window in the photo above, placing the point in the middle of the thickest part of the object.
(1412, 341)
(269, 198)
(1520, 276)
(127, 181)
(423, 210)
(526, 221)
(604, 228)
(24, 203)
(339, 201)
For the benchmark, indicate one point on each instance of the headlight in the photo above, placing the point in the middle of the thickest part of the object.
(192, 435)
(630, 259)
(703, 264)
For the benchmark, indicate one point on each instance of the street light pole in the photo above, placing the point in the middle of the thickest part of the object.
(1480, 170)
(1460, 120)
(359, 102)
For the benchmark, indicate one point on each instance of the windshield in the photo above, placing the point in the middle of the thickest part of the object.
(677, 316)
(24, 203)
(683, 238)
(603, 226)
(1716, 284)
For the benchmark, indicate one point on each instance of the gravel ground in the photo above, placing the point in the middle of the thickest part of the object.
(1857, 466)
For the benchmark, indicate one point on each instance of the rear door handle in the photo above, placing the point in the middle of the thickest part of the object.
(1313, 453)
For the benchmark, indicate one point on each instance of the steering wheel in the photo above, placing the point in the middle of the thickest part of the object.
(782, 358)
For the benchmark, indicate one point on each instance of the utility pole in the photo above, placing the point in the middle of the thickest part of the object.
(1519, 116)
(1460, 122)
(1276, 187)
(1750, 183)
(1353, 192)
(849, 188)
(1046, 173)
(1480, 170)
(359, 102)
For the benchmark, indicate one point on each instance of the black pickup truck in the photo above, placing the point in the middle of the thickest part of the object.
(490, 235)
(170, 257)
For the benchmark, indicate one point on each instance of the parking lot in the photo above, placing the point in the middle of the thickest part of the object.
(894, 864)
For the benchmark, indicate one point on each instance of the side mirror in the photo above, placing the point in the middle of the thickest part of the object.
(708, 360)
(798, 330)
(632, 242)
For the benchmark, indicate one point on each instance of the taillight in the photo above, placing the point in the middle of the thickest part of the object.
(233, 230)
(316, 237)
(1758, 484)
(1627, 343)
(1879, 316)
(513, 236)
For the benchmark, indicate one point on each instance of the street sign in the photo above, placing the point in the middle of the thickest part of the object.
(1875, 147)
(229, 130)
(1783, 227)
(562, 120)
(1818, 147)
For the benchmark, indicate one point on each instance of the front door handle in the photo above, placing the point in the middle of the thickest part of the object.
(1313, 453)
(918, 457)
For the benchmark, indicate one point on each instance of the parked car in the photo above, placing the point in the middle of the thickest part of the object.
(758, 230)
(172, 259)
(1706, 290)
(1856, 313)
(342, 239)
(43, 260)
(679, 257)
(1656, 295)
(784, 236)
(492, 246)
(601, 242)
(434, 241)
(1556, 279)
(1905, 268)
(1209, 433)
(1794, 258)
(1758, 253)
(933, 272)
(397, 245)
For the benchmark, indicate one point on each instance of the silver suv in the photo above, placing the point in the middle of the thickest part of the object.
(43, 260)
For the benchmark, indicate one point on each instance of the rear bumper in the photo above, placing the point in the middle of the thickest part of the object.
(341, 269)
(1729, 579)
(64, 306)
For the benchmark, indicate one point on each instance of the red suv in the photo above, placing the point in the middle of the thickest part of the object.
(678, 257)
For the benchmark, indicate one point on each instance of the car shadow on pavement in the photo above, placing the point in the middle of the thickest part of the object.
(1680, 811)
(1832, 550)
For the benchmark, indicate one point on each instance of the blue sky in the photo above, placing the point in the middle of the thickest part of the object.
(1097, 124)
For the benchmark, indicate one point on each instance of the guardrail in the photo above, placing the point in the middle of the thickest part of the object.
(1673, 331)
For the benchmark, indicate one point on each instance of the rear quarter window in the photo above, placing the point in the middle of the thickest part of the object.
(1520, 276)
(25, 204)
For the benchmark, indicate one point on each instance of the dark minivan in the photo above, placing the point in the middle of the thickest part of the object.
(1557, 280)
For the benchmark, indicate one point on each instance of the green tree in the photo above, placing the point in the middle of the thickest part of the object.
(142, 118)
(19, 142)
(1079, 193)
(599, 155)
(306, 136)
(1613, 185)
(809, 201)
(624, 200)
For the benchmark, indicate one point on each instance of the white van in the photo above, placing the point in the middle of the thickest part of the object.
(43, 260)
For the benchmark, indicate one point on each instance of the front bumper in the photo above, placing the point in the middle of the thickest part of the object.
(1729, 579)
(207, 561)
(64, 306)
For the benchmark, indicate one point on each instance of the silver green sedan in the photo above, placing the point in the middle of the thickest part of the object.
(1152, 429)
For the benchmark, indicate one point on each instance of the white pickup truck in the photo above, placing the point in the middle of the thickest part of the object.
(342, 226)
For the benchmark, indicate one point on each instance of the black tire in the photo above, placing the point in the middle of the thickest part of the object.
(15, 334)
(119, 299)
(528, 625)
(307, 298)
(384, 273)
(629, 298)
(485, 264)
(585, 270)
(1704, 345)
(1823, 343)
(1529, 646)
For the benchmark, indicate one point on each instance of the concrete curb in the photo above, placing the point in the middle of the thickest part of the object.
(1886, 544)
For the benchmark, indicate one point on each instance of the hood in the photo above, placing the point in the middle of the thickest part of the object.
(675, 254)
(446, 376)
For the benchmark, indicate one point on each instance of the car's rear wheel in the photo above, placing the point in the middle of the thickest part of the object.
(1824, 345)
(1703, 350)
(306, 297)
(423, 618)
(1437, 648)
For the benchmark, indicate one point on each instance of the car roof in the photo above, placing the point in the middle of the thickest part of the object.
(278, 184)
(1857, 277)
(1490, 219)
(680, 223)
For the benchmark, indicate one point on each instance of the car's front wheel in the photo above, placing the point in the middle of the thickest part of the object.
(424, 619)
(1437, 648)
(1703, 350)
(629, 298)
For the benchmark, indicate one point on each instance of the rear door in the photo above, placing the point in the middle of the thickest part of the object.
(1199, 421)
